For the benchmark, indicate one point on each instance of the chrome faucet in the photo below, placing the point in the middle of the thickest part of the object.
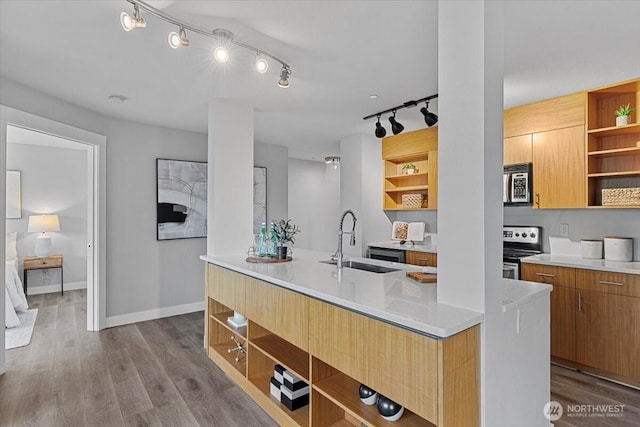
(338, 255)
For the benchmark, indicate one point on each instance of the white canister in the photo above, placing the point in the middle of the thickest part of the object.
(591, 248)
(618, 248)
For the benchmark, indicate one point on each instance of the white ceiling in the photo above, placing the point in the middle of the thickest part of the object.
(340, 53)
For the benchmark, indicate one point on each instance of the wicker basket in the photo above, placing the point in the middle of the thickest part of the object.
(620, 196)
(413, 201)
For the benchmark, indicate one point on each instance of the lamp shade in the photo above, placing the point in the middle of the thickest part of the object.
(43, 223)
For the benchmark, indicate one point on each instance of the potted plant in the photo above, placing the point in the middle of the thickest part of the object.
(622, 115)
(409, 168)
(284, 231)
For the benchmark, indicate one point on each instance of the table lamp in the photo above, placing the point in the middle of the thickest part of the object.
(41, 224)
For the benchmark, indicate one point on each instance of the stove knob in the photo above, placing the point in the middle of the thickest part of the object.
(532, 235)
(524, 234)
(517, 234)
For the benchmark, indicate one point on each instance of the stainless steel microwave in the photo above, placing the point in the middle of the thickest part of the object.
(517, 185)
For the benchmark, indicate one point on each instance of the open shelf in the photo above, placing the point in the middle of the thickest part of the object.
(614, 174)
(222, 319)
(222, 351)
(616, 130)
(405, 189)
(300, 416)
(630, 151)
(405, 176)
(287, 354)
(342, 391)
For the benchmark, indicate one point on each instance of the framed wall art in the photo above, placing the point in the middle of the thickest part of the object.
(181, 199)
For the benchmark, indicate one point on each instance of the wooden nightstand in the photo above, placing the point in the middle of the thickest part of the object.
(35, 263)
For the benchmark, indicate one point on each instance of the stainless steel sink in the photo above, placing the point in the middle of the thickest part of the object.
(362, 266)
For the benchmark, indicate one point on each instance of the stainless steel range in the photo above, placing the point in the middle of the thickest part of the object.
(519, 242)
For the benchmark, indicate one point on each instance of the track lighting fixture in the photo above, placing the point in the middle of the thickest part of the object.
(224, 38)
(261, 64)
(334, 161)
(129, 22)
(380, 131)
(429, 117)
(178, 39)
(396, 127)
(284, 77)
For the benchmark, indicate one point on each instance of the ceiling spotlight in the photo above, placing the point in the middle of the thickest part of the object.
(396, 127)
(334, 161)
(429, 118)
(380, 131)
(129, 22)
(284, 77)
(221, 54)
(178, 39)
(261, 64)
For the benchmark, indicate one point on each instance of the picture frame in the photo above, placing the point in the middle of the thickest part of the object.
(181, 199)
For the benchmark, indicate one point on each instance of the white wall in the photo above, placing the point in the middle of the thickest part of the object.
(144, 277)
(314, 204)
(53, 180)
(274, 158)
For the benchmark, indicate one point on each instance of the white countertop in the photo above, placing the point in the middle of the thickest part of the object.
(408, 246)
(632, 267)
(391, 297)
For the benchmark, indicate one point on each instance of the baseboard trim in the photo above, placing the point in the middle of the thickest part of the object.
(156, 313)
(50, 289)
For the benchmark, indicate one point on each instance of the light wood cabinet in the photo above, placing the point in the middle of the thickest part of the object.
(563, 305)
(595, 319)
(518, 149)
(426, 259)
(436, 380)
(559, 169)
(608, 332)
(549, 114)
(613, 152)
(419, 147)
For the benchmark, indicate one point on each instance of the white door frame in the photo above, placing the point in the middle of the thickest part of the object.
(96, 240)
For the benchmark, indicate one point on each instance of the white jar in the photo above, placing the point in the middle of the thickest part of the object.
(618, 248)
(591, 248)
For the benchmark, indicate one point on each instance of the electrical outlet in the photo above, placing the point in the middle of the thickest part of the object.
(564, 230)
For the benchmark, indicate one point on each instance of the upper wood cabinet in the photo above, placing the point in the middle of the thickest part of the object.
(419, 147)
(613, 152)
(518, 149)
(559, 168)
(555, 113)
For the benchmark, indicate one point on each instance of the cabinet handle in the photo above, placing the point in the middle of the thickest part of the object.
(538, 199)
(579, 301)
(422, 259)
(604, 282)
(545, 275)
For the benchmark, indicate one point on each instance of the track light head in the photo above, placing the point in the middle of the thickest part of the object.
(334, 161)
(380, 131)
(284, 77)
(176, 40)
(221, 54)
(396, 127)
(129, 22)
(429, 118)
(261, 64)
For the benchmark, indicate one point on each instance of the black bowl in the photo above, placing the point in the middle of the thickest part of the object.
(368, 395)
(389, 409)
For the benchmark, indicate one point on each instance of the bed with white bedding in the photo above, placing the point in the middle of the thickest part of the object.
(14, 298)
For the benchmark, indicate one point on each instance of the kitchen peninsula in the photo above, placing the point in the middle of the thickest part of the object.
(338, 328)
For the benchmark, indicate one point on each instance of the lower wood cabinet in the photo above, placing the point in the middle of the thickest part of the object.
(595, 319)
(563, 302)
(426, 259)
(436, 380)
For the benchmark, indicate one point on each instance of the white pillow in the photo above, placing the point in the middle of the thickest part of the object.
(11, 252)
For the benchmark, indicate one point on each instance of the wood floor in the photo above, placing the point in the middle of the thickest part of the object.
(148, 374)
(156, 374)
